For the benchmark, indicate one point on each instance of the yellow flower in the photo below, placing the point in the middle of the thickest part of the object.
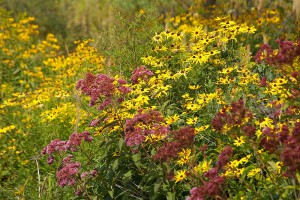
(141, 99)
(258, 133)
(157, 38)
(184, 156)
(260, 151)
(253, 172)
(201, 128)
(154, 138)
(11, 148)
(159, 48)
(234, 164)
(245, 159)
(192, 121)
(7, 129)
(227, 24)
(180, 176)
(239, 141)
(251, 29)
(24, 162)
(187, 97)
(278, 167)
(172, 119)
(267, 122)
(197, 32)
(222, 18)
(223, 81)
(198, 58)
(202, 167)
(239, 172)
(194, 87)
(227, 70)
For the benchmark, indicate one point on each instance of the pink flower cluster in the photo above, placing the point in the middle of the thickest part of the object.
(224, 157)
(286, 53)
(67, 174)
(57, 145)
(182, 138)
(143, 124)
(94, 86)
(234, 116)
(101, 88)
(212, 188)
(290, 154)
(141, 72)
(286, 143)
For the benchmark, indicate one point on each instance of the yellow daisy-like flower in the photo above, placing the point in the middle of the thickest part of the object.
(197, 32)
(192, 121)
(172, 119)
(201, 128)
(202, 167)
(245, 159)
(187, 97)
(157, 38)
(239, 141)
(194, 87)
(253, 172)
(267, 122)
(192, 106)
(154, 138)
(180, 176)
(185, 152)
(279, 166)
(184, 156)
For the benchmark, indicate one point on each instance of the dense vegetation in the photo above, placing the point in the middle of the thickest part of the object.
(149, 100)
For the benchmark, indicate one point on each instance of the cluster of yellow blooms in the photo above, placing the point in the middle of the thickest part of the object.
(44, 89)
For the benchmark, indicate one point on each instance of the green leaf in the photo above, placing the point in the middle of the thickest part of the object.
(171, 196)
(137, 159)
(298, 177)
(16, 71)
(121, 143)
(115, 165)
(157, 184)
(127, 176)
(273, 166)
(111, 193)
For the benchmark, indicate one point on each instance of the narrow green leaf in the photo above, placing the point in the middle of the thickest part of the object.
(121, 142)
(157, 184)
(115, 165)
(128, 174)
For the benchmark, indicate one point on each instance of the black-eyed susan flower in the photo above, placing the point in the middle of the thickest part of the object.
(192, 120)
(180, 176)
(172, 119)
(194, 87)
(239, 141)
(184, 156)
(157, 38)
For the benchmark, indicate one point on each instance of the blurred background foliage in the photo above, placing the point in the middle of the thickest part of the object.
(72, 20)
(81, 19)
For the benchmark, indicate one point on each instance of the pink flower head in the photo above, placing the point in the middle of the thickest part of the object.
(95, 86)
(141, 72)
(67, 174)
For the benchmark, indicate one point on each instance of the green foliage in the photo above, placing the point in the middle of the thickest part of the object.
(125, 39)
